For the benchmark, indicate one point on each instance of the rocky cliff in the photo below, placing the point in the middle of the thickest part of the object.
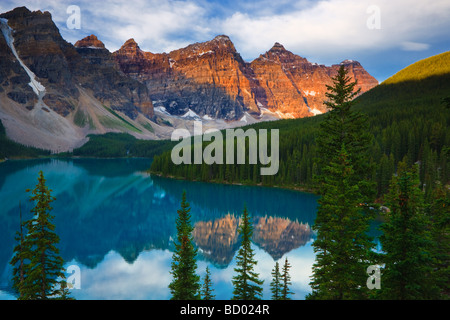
(53, 94)
(77, 89)
(213, 80)
(208, 78)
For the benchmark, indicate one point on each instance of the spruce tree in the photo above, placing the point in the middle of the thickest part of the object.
(20, 256)
(40, 271)
(207, 290)
(286, 281)
(247, 285)
(275, 285)
(439, 213)
(342, 247)
(406, 240)
(185, 284)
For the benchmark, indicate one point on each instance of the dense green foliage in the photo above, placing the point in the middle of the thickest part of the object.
(185, 283)
(342, 247)
(406, 119)
(246, 282)
(37, 265)
(116, 145)
(406, 241)
(438, 211)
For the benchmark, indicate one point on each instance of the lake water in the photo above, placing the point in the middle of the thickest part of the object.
(116, 224)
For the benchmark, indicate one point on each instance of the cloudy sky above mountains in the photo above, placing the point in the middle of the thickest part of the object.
(384, 35)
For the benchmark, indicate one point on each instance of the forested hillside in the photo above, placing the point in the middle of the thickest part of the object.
(408, 120)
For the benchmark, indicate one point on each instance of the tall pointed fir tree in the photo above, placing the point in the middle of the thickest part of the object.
(247, 285)
(286, 281)
(21, 254)
(406, 240)
(185, 283)
(207, 290)
(275, 285)
(343, 248)
(40, 265)
(439, 213)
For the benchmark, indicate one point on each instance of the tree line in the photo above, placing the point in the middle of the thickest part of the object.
(407, 122)
(414, 260)
(415, 229)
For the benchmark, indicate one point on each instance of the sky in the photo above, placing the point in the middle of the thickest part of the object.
(385, 36)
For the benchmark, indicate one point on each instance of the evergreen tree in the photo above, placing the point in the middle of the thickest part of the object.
(21, 254)
(207, 291)
(40, 271)
(286, 278)
(185, 284)
(439, 213)
(247, 285)
(342, 246)
(275, 285)
(406, 240)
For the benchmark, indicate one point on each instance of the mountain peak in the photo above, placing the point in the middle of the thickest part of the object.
(130, 43)
(222, 37)
(348, 62)
(21, 12)
(90, 42)
(277, 47)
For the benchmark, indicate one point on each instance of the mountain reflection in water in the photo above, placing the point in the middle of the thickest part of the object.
(118, 224)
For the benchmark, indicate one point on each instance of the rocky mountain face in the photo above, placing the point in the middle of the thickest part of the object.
(219, 240)
(77, 90)
(53, 94)
(213, 80)
(208, 78)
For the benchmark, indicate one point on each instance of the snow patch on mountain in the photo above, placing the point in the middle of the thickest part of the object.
(37, 87)
(191, 115)
(310, 93)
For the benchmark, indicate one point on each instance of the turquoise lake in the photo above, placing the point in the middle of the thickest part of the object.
(117, 224)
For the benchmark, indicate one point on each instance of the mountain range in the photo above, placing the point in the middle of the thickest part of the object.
(53, 94)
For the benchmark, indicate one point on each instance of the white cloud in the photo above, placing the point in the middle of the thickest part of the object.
(322, 31)
(339, 27)
(414, 46)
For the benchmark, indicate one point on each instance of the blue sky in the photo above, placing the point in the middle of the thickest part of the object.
(383, 35)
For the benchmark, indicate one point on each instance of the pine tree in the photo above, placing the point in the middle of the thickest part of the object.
(40, 265)
(286, 278)
(185, 284)
(342, 246)
(343, 126)
(247, 285)
(207, 291)
(439, 213)
(21, 254)
(406, 240)
(275, 285)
